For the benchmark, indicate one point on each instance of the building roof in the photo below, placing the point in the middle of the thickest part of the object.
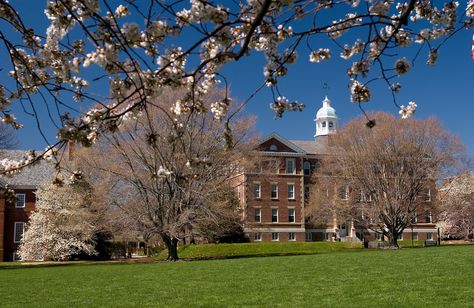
(29, 177)
(311, 146)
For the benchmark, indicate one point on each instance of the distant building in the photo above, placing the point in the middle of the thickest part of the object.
(14, 216)
(273, 195)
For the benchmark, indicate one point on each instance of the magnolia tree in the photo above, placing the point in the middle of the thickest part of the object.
(170, 170)
(379, 175)
(63, 224)
(137, 49)
(458, 206)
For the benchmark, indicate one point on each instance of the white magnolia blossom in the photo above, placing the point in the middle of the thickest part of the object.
(63, 224)
(407, 111)
(360, 93)
(402, 66)
(322, 54)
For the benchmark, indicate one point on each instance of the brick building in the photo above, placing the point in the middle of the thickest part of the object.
(14, 216)
(272, 194)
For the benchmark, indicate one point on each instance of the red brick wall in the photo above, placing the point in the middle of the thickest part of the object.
(12, 215)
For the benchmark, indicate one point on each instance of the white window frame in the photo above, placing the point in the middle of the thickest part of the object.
(259, 210)
(273, 148)
(291, 236)
(427, 197)
(274, 185)
(429, 236)
(294, 215)
(400, 237)
(429, 215)
(325, 236)
(275, 236)
(257, 193)
(18, 200)
(307, 168)
(275, 209)
(308, 236)
(414, 236)
(293, 163)
(15, 233)
(292, 196)
(257, 237)
(306, 192)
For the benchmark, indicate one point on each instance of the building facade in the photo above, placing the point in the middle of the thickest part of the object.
(275, 192)
(14, 215)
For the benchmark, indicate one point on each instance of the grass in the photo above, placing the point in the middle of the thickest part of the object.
(221, 251)
(435, 276)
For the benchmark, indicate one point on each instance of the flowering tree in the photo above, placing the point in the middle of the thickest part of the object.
(63, 224)
(381, 173)
(136, 50)
(458, 206)
(168, 168)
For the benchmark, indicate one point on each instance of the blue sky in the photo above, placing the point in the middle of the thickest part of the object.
(445, 90)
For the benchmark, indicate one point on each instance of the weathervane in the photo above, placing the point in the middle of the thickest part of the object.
(326, 88)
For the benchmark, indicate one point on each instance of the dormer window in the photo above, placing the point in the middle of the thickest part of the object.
(324, 124)
(331, 124)
(273, 147)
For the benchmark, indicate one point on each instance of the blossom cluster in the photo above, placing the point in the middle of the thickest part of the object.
(407, 111)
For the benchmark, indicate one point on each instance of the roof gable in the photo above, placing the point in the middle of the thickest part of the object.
(276, 143)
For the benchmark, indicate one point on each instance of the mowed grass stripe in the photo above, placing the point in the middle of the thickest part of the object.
(437, 276)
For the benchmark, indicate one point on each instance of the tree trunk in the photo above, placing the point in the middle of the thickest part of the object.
(172, 245)
(393, 237)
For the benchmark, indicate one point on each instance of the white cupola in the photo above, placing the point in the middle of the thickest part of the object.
(326, 119)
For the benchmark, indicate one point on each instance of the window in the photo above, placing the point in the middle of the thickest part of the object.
(429, 236)
(273, 147)
(325, 236)
(378, 236)
(257, 190)
(306, 192)
(400, 237)
(20, 200)
(291, 191)
(415, 236)
(344, 192)
(324, 124)
(258, 215)
(427, 195)
(428, 217)
(414, 220)
(275, 236)
(274, 190)
(291, 215)
(274, 215)
(291, 236)
(257, 237)
(18, 231)
(308, 236)
(307, 168)
(16, 257)
(290, 166)
(331, 124)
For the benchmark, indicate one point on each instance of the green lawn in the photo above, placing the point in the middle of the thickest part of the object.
(260, 249)
(435, 276)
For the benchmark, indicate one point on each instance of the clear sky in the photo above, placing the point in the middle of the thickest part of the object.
(445, 90)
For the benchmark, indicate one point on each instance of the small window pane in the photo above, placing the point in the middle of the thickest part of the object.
(291, 191)
(291, 236)
(257, 190)
(20, 200)
(258, 215)
(274, 189)
(291, 215)
(274, 236)
(257, 237)
(18, 232)
(274, 215)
